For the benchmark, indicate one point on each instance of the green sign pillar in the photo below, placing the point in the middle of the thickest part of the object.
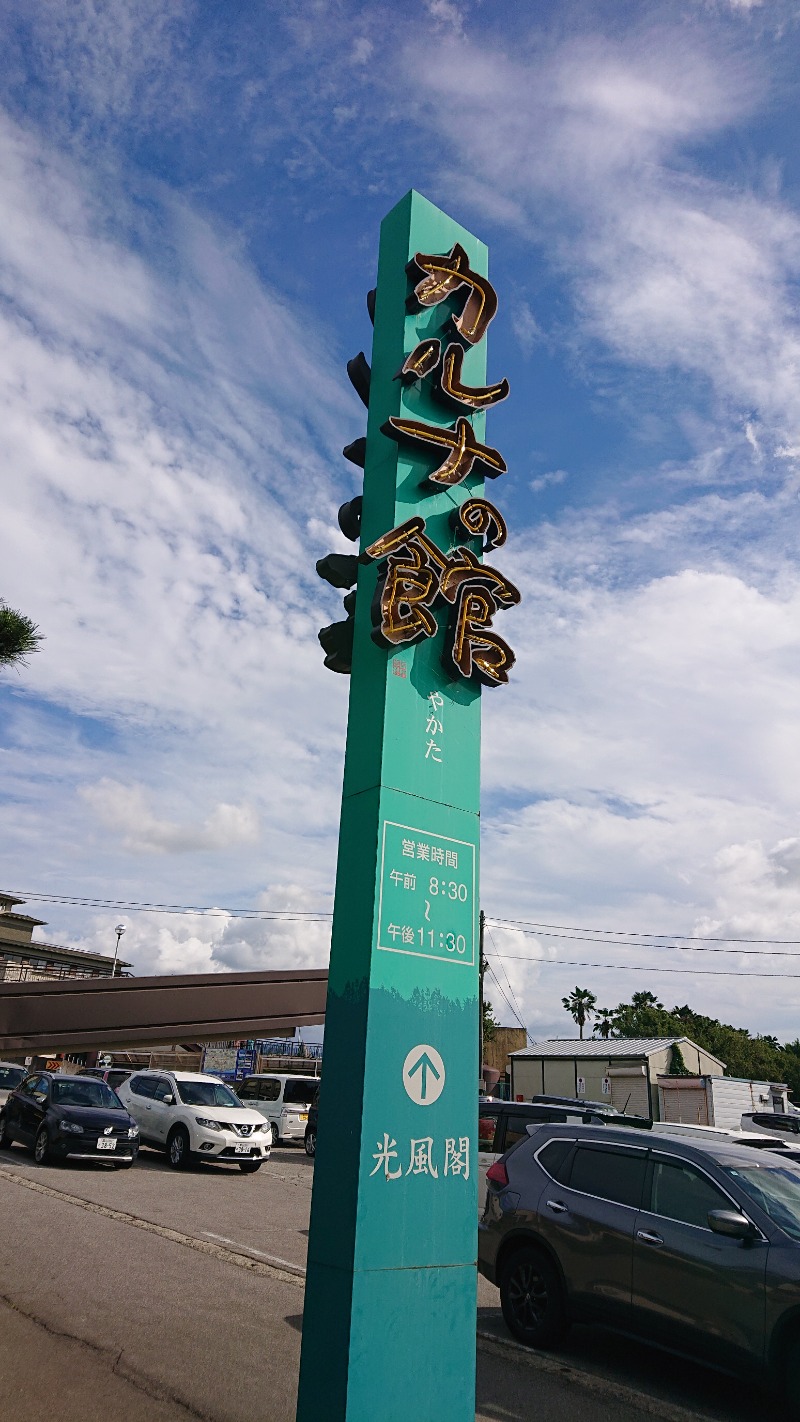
(390, 1307)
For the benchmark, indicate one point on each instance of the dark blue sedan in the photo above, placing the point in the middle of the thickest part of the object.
(58, 1116)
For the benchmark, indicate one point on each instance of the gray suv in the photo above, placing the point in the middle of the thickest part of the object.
(693, 1247)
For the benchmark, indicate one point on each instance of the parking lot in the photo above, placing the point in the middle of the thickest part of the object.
(163, 1294)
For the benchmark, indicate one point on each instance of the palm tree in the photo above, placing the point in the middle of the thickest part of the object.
(642, 1000)
(605, 1021)
(18, 637)
(580, 1004)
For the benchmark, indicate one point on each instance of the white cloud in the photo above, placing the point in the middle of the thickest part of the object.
(446, 15)
(525, 326)
(362, 50)
(172, 430)
(109, 62)
(669, 268)
(544, 481)
(126, 810)
(648, 730)
(303, 942)
(216, 941)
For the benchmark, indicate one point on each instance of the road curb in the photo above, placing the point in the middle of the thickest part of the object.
(189, 1241)
(489, 1342)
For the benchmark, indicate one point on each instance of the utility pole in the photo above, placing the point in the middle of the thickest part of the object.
(481, 970)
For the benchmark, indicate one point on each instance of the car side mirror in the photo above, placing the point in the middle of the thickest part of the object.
(731, 1224)
(168, 1099)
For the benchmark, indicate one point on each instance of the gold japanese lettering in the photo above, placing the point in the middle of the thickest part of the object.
(443, 275)
(417, 573)
(423, 359)
(477, 518)
(465, 452)
(474, 397)
(427, 359)
(472, 649)
(405, 590)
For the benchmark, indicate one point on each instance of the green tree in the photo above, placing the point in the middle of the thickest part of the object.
(604, 1022)
(580, 1004)
(19, 637)
(490, 1022)
(641, 1001)
(645, 1016)
(752, 1057)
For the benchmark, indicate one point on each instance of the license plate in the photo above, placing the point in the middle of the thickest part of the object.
(304, 1116)
(106, 1143)
(242, 1149)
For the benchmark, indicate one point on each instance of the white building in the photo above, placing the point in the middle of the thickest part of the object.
(622, 1071)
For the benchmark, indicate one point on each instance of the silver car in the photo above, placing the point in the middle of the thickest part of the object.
(11, 1074)
(694, 1247)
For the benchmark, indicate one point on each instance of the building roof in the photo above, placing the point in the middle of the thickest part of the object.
(36, 948)
(603, 1047)
(8, 916)
(11, 947)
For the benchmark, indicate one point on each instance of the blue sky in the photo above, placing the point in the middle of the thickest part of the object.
(191, 199)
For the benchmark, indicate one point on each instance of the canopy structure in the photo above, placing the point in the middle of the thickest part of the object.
(83, 1014)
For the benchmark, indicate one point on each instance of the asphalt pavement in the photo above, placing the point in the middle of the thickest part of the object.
(152, 1294)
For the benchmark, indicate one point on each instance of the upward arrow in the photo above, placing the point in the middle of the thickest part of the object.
(424, 1065)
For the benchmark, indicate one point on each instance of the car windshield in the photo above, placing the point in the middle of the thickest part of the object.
(775, 1188)
(208, 1093)
(90, 1093)
(300, 1093)
(10, 1077)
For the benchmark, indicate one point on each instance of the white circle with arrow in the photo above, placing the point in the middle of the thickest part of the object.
(423, 1075)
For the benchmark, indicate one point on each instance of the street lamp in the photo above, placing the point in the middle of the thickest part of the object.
(119, 930)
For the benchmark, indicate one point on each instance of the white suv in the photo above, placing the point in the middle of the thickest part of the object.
(284, 1101)
(189, 1114)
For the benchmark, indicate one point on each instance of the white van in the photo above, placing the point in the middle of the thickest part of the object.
(282, 1099)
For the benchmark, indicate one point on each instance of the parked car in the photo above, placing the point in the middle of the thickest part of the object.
(11, 1074)
(282, 1099)
(502, 1123)
(59, 1116)
(602, 1108)
(788, 1123)
(310, 1137)
(188, 1114)
(114, 1076)
(695, 1248)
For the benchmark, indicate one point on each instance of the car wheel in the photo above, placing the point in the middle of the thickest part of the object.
(41, 1150)
(791, 1378)
(532, 1298)
(5, 1139)
(249, 1167)
(276, 1140)
(310, 1143)
(178, 1148)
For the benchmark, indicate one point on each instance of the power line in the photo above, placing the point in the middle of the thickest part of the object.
(632, 967)
(310, 916)
(510, 988)
(682, 946)
(632, 933)
(524, 926)
(500, 988)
